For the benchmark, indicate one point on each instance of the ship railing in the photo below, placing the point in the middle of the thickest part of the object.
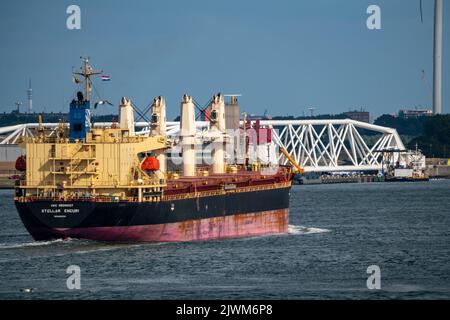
(112, 198)
(68, 198)
(222, 191)
(48, 184)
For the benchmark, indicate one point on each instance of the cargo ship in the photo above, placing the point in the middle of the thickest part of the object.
(106, 182)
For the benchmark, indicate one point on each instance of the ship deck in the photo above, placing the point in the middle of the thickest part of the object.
(240, 179)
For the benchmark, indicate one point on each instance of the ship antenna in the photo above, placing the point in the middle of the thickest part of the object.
(87, 72)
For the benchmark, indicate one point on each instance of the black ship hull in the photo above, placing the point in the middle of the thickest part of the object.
(235, 214)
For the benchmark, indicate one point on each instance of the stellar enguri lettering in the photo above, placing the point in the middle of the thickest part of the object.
(53, 211)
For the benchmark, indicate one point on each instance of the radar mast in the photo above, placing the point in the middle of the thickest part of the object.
(87, 72)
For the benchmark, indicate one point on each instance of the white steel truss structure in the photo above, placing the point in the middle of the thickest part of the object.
(317, 145)
(11, 134)
(334, 145)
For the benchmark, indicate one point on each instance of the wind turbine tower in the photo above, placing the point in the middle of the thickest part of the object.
(437, 61)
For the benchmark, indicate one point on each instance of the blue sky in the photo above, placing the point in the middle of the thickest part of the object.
(283, 56)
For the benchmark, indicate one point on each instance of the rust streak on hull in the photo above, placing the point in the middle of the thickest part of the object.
(223, 227)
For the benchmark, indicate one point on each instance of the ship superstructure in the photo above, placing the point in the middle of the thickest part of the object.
(109, 183)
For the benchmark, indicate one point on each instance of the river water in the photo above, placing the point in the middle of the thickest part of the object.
(336, 232)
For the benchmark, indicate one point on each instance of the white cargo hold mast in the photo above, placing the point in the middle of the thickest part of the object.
(217, 127)
(187, 134)
(158, 128)
(126, 115)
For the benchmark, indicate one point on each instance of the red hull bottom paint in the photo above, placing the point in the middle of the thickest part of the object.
(233, 226)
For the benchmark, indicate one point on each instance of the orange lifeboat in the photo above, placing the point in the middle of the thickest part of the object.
(150, 164)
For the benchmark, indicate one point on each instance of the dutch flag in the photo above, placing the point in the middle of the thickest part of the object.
(105, 78)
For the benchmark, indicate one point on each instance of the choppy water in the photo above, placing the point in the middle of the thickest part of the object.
(335, 233)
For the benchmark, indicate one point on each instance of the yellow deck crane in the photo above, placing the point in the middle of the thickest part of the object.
(291, 160)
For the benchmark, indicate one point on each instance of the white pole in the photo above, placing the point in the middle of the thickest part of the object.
(217, 119)
(437, 61)
(158, 128)
(187, 128)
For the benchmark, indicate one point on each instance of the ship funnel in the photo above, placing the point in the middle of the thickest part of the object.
(187, 134)
(126, 116)
(158, 128)
(217, 128)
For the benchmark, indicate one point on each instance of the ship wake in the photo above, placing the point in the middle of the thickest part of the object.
(296, 230)
(31, 244)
